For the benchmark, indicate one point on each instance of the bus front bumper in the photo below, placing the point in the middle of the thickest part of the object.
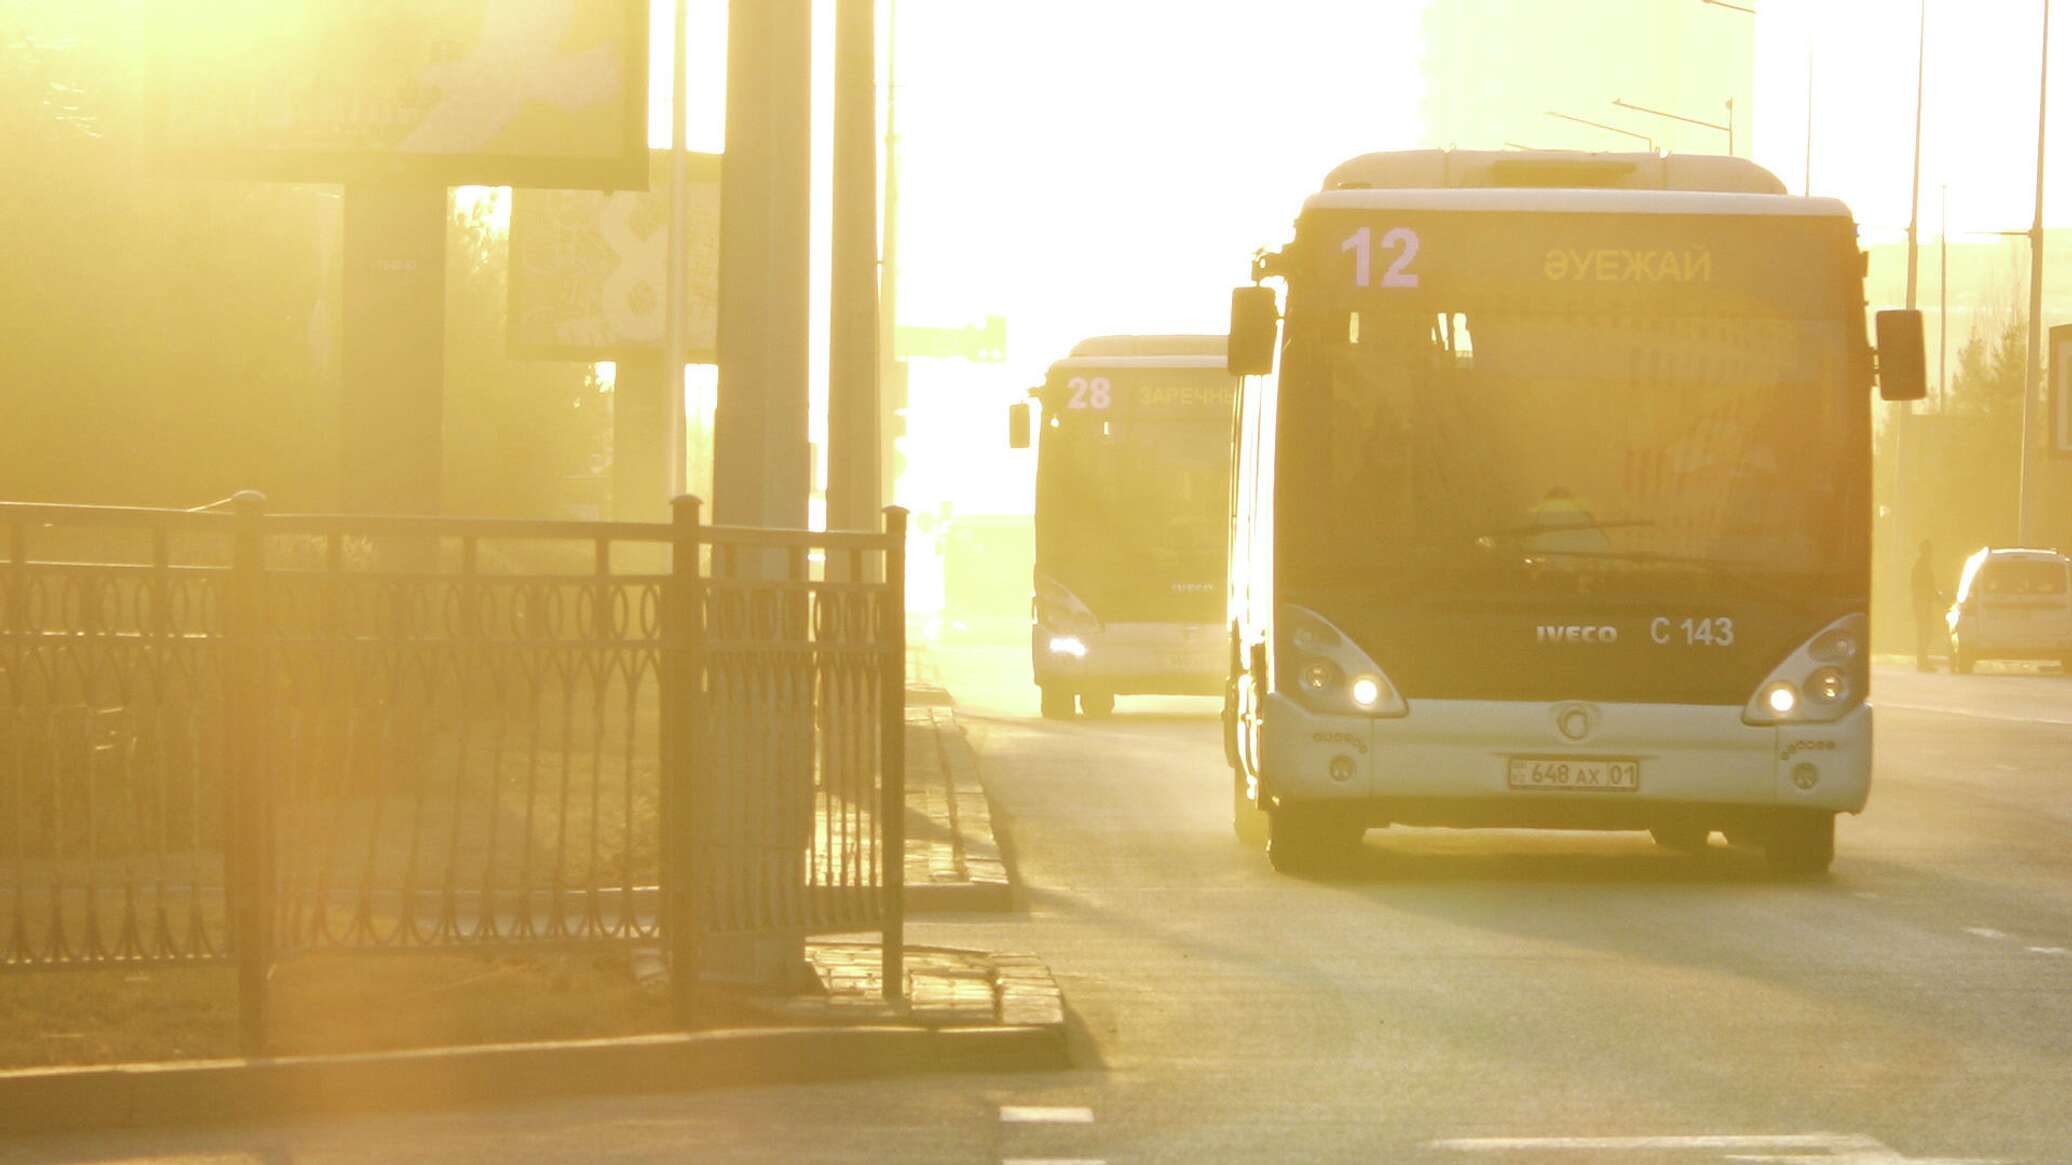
(1133, 659)
(1450, 762)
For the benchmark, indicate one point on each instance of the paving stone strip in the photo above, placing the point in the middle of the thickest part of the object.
(947, 987)
(952, 860)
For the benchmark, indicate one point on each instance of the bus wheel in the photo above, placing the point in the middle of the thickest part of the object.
(1246, 818)
(1682, 837)
(1308, 838)
(1057, 702)
(1800, 842)
(1097, 705)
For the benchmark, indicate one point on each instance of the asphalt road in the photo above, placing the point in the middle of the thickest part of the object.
(1470, 998)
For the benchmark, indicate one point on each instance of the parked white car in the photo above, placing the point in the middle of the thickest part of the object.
(2012, 604)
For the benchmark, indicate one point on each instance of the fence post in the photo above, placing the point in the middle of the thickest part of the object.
(682, 678)
(892, 757)
(248, 848)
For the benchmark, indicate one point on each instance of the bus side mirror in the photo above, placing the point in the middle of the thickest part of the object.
(1902, 357)
(1018, 425)
(1253, 316)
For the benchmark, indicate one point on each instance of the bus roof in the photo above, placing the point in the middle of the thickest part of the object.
(1122, 363)
(1550, 170)
(1577, 201)
(1149, 346)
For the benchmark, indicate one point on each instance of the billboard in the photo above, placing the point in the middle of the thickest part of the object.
(589, 270)
(445, 92)
(2060, 373)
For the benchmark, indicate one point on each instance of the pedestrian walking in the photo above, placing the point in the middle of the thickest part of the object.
(1927, 609)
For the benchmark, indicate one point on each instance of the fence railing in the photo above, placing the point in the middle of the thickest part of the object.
(244, 735)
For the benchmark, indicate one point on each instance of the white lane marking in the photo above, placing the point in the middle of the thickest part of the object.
(1831, 1141)
(1865, 1157)
(1052, 1161)
(2050, 951)
(1985, 932)
(1859, 1157)
(1035, 1114)
(1833, 1148)
(2001, 716)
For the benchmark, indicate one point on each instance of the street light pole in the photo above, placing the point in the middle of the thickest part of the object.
(1942, 308)
(2032, 380)
(853, 478)
(1807, 189)
(1914, 213)
(1902, 515)
(676, 275)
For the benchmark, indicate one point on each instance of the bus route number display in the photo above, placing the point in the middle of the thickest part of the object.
(1101, 394)
(1398, 244)
(1088, 392)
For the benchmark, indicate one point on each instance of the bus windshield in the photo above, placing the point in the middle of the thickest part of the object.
(1130, 511)
(1518, 451)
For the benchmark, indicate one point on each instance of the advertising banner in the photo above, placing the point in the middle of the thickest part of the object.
(589, 271)
(446, 92)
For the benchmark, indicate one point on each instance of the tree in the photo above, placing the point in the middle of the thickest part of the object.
(516, 430)
(154, 332)
(1991, 369)
(166, 340)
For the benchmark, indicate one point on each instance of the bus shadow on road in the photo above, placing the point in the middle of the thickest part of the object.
(1537, 858)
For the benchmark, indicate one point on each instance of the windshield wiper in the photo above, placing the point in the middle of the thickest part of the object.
(1736, 572)
(1559, 528)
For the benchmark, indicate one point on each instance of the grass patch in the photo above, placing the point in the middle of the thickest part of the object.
(103, 1016)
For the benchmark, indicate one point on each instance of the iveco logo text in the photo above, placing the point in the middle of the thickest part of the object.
(1572, 633)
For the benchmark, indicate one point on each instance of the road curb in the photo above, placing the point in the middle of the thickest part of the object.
(229, 1091)
(954, 861)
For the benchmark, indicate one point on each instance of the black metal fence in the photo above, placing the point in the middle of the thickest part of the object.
(231, 734)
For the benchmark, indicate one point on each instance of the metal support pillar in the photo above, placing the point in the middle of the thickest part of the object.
(390, 410)
(853, 485)
(640, 438)
(761, 472)
(761, 460)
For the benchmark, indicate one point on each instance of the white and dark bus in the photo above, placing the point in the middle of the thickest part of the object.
(1552, 505)
(1132, 486)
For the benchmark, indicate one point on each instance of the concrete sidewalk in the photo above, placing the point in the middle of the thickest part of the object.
(952, 860)
(966, 1011)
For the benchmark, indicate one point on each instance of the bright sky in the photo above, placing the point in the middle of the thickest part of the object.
(1088, 166)
(1979, 115)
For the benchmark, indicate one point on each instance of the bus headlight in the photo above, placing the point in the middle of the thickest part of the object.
(1781, 698)
(1366, 691)
(1819, 683)
(1329, 672)
(1071, 645)
(1829, 685)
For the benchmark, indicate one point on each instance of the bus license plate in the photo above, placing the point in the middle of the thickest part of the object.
(1581, 774)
